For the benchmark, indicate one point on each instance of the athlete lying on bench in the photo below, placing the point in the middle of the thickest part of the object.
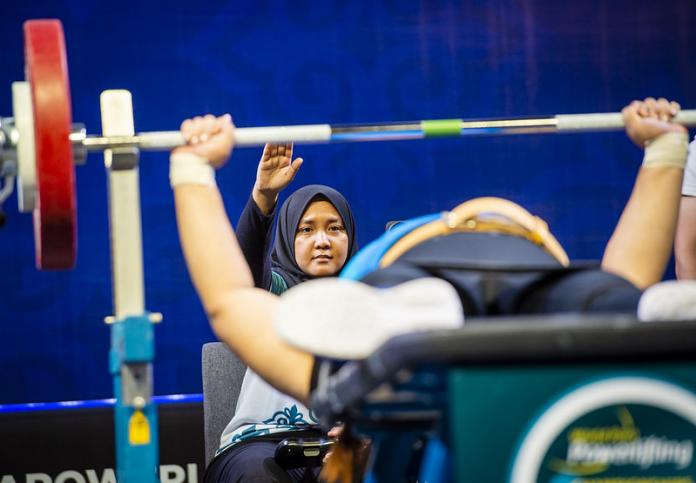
(243, 316)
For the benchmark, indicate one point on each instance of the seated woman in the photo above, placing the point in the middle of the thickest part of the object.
(315, 236)
(242, 315)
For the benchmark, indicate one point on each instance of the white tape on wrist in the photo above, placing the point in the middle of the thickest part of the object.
(668, 149)
(189, 168)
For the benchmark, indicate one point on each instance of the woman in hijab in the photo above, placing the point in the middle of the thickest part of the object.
(315, 237)
(315, 233)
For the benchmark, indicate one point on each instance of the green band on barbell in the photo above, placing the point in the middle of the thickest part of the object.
(442, 128)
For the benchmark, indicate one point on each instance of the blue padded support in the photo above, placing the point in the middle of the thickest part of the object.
(367, 260)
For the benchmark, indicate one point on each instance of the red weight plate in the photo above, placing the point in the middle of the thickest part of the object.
(55, 221)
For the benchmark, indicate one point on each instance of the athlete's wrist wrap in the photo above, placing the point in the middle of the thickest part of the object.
(668, 149)
(189, 168)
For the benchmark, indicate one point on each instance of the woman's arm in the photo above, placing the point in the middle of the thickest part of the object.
(240, 314)
(254, 230)
(255, 235)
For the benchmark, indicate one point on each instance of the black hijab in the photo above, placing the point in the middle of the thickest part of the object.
(283, 256)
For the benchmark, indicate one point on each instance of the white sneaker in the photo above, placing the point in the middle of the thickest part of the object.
(344, 319)
(672, 300)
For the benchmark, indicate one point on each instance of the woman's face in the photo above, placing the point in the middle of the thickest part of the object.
(321, 241)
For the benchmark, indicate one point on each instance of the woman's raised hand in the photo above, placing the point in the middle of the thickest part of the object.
(275, 172)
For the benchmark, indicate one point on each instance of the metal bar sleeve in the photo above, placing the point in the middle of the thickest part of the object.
(258, 136)
(610, 121)
(249, 136)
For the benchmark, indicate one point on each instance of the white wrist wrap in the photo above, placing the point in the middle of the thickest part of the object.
(188, 168)
(668, 149)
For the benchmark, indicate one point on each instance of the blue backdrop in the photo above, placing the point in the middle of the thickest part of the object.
(281, 62)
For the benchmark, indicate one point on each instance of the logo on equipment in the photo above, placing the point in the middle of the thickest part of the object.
(615, 430)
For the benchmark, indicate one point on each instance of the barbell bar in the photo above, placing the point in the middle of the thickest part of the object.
(46, 145)
(327, 133)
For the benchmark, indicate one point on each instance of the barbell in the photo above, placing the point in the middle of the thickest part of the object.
(41, 145)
